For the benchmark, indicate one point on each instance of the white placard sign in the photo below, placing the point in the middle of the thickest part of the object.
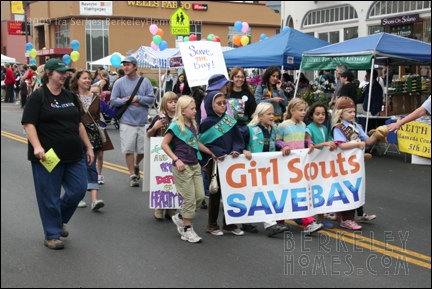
(163, 193)
(201, 60)
(272, 187)
(103, 8)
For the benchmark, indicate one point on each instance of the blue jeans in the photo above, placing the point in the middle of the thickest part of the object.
(56, 209)
(92, 174)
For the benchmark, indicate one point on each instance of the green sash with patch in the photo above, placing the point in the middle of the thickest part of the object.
(222, 127)
(187, 137)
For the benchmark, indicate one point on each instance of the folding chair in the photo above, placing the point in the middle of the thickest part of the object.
(391, 139)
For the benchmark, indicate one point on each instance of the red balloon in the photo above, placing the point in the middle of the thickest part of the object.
(192, 37)
(216, 39)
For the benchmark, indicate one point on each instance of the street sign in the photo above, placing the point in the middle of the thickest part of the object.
(180, 23)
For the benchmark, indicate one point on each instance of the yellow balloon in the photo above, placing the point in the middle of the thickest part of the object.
(244, 40)
(74, 55)
(33, 53)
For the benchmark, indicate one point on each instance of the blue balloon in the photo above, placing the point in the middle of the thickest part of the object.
(163, 45)
(238, 26)
(29, 46)
(115, 60)
(263, 36)
(75, 44)
(66, 59)
(285, 28)
(32, 61)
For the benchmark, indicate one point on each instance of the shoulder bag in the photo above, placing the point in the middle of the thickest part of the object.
(123, 108)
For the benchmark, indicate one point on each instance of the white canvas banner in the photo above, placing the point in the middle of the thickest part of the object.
(272, 187)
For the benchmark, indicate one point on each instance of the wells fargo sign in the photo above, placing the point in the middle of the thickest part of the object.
(160, 4)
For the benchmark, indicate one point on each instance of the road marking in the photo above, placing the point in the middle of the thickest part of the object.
(335, 233)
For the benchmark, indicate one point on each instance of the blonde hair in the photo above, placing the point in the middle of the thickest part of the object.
(294, 104)
(168, 96)
(260, 110)
(337, 112)
(183, 102)
(96, 86)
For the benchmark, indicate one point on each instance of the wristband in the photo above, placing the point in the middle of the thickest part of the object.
(88, 148)
(176, 160)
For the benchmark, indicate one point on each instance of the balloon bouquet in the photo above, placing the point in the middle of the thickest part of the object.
(241, 40)
(157, 43)
(31, 52)
(75, 55)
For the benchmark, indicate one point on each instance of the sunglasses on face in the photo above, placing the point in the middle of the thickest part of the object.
(220, 103)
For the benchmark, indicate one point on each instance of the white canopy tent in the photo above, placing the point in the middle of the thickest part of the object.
(106, 60)
(7, 59)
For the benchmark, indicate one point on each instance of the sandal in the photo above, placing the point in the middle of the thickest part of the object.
(249, 228)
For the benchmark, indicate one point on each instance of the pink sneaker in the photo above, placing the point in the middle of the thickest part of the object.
(350, 224)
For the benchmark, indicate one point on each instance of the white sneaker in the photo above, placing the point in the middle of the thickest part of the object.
(101, 180)
(82, 204)
(312, 227)
(190, 236)
(194, 233)
(179, 223)
(96, 205)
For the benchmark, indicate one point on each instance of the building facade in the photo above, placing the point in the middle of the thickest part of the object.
(337, 21)
(103, 28)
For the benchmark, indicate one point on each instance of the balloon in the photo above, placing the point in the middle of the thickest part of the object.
(186, 39)
(157, 39)
(263, 36)
(216, 39)
(115, 60)
(236, 40)
(163, 45)
(192, 37)
(238, 26)
(244, 40)
(75, 55)
(66, 59)
(33, 53)
(159, 32)
(245, 27)
(154, 46)
(153, 29)
(75, 44)
(29, 46)
(32, 61)
(210, 36)
(285, 28)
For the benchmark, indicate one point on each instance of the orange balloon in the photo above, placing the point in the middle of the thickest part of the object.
(237, 40)
(159, 32)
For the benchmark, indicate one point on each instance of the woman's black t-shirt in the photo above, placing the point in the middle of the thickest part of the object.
(57, 119)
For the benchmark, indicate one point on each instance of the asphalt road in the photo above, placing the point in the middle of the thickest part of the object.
(124, 246)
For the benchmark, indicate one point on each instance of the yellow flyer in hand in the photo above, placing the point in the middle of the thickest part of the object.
(51, 160)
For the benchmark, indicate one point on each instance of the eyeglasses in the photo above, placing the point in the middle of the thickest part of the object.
(239, 77)
(220, 103)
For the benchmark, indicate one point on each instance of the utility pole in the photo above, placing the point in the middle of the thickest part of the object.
(26, 3)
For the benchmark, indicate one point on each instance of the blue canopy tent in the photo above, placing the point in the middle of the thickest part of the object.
(364, 52)
(283, 49)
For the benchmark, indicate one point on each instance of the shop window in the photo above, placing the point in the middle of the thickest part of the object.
(329, 15)
(381, 8)
(332, 37)
(62, 34)
(350, 33)
(97, 32)
(196, 29)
